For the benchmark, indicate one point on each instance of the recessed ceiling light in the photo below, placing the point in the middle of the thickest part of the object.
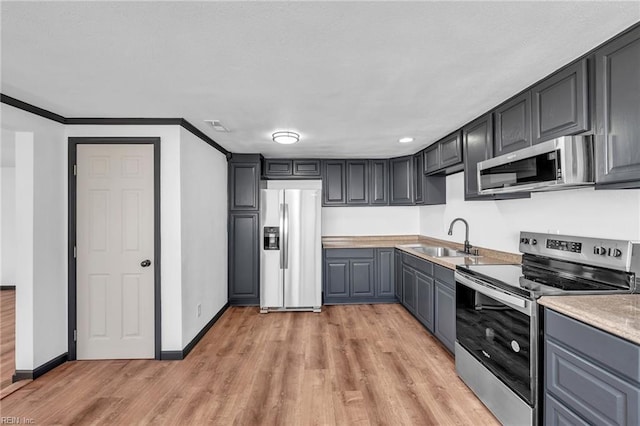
(217, 126)
(405, 140)
(285, 137)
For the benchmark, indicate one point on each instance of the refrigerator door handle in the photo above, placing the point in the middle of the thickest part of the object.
(281, 236)
(285, 243)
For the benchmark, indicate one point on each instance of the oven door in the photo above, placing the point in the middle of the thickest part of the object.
(495, 327)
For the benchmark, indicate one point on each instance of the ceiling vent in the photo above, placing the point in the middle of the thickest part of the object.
(217, 126)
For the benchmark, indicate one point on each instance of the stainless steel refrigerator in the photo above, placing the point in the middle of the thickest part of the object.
(291, 250)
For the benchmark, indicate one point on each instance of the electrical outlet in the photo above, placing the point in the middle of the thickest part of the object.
(199, 310)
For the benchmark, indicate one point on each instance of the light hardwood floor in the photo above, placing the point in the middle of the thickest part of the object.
(7, 336)
(357, 364)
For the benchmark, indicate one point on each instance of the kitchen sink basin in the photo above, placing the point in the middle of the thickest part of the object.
(436, 251)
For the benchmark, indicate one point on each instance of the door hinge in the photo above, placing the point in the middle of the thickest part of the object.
(75, 252)
(75, 170)
(75, 335)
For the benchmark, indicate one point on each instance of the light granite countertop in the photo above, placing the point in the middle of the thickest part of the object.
(403, 242)
(618, 314)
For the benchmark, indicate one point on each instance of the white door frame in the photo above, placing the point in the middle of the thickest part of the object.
(72, 301)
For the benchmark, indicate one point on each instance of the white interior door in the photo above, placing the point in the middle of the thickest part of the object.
(114, 235)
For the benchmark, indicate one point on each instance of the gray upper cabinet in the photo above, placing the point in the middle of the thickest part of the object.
(401, 180)
(379, 182)
(477, 139)
(244, 183)
(444, 154)
(357, 181)
(560, 103)
(432, 158)
(277, 168)
(333, 182)
(450, 150)
(513, 125)
(306, 168)
(418, 179)
(617, 107)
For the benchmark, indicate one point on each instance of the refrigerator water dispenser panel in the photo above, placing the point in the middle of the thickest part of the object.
(271, 238)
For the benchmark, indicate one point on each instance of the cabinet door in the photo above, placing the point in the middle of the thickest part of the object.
(557, 414)
(379, 182)
(409, 288)
(277, 168)
(432, 158)
(244, 179)
(333, 182)
(244, 258)
(617, 105)
(385, 275)
(445, 314)
(513, 125)
(418, 179)
(424, 300)
(306, 168)
(450, 150)
(361, 278)
(398, 274)
(477, 138)
(357, 181)
(401, 180)
(336, 278)
(560, 104)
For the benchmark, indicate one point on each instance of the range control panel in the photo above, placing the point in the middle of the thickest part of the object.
(614, 254)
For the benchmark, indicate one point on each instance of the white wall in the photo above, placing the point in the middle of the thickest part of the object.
(387, 220)
(41, 234)
(7, 209)
(170, 211)
(203, 183)
(497, 224)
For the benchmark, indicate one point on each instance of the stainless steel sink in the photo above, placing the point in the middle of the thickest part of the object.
(436, 251)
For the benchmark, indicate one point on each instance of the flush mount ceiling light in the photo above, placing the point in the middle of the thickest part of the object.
(285, 137)
(405, 140)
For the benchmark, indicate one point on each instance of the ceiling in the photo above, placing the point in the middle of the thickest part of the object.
(351, 77)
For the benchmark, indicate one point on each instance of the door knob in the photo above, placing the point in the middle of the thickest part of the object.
(145, 263)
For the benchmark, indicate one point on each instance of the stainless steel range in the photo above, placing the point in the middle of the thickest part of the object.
(498, 328)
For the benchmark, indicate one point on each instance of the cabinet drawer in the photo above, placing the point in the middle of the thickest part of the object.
(589, 389)
(349, 253)
(445, 275)
(613, 352)
(421, 265)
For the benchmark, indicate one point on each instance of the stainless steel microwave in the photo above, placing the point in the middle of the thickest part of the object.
(560, 163)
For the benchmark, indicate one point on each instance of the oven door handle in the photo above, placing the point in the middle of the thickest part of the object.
(509, 300)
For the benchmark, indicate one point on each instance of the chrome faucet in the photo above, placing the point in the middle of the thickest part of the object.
(467, 246)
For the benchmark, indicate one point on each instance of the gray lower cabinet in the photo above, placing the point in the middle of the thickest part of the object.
(385, 272)
(560, 104)
(358, 276)
(590, 376)
(444, 301)
(428, 292)
(409, 288)
(424, 299)
(513, 125)
(617, 107)
(244, 258)
(398, 274)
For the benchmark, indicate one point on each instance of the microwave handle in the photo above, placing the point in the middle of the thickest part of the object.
(511, 301)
